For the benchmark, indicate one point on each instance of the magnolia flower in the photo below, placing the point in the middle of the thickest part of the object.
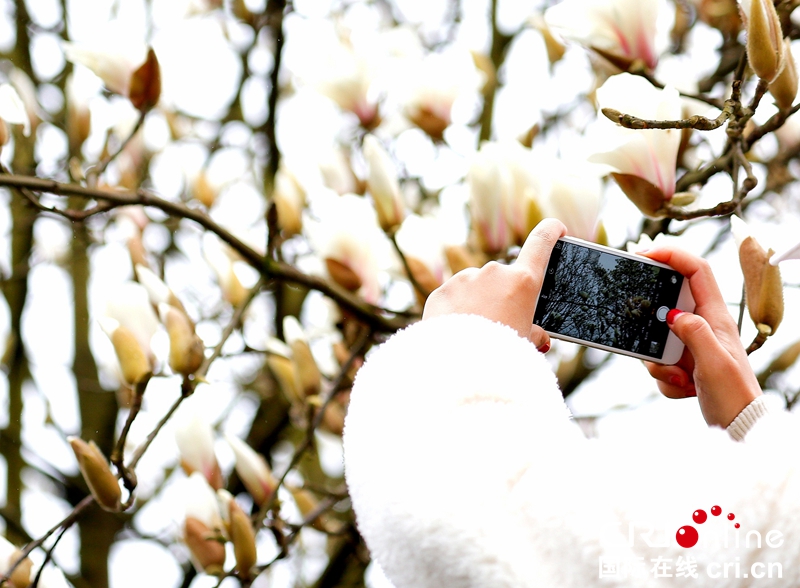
(157, 290)
(574, 195)
(283, 368)
(622, 31)
(308, 377)
(344, 76)
(186, 351)
(432, 86)
(383, 185)
(253, 470)
(505, 195)
(12, 110)
(347, 237)
(764, 38)
(132, 356)
(96, 472)
(420, 240)
(203, 528)
(221, 259)
(792, 252)
(644, 160)
(290, 200)
(139, 80)
(241, 533)
(79, 118)
(337, 174)
(195, 440)
(784, 87)
(762, 280)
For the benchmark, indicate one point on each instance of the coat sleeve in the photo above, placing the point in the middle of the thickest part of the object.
(465, 471)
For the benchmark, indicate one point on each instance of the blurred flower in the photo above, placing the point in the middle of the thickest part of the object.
(290, 200)
(241, 533)
(784, 87)
(157, 290)
(282, 367)
(195, 441)
(792, 252)
(253, 471)
(762, 280)
(574, 195)
(622, 31)
(419, 238)
(203, 190)
(22, 574)
(221, 259)
(79, 118)
(132, 356)
(203, 526)
(383, 185)
(645, 242)
(346, 236)
(344, 76)
(129, 305)
(12, 110)
(644, 160)
(432, 86)
(764, 38)
(505, 195)
(139, 81)
(308, 376)
(186, 351)
(96, 472)
(337, 174)
(719, 14)
(555, 48)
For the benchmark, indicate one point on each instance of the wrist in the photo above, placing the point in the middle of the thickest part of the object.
(747, 418)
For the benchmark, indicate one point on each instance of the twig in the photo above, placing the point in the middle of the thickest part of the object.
(417, 286)
(698, 122)
(118, 454)
(101, 166)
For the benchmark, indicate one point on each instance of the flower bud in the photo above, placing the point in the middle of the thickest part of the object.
(9, 554)
(459, 258)
(185, 347)
(203, 530)
(382, 184)
(307, 374)
(132, 358)
(203, 191)
(157, 291)
(784, 88)
(343, 275)
(764, 38)
(240, 530)
(207, 551)
(762, 281)
(145, 83)
(97, 473)
(648, 198)
(307, 504)
(195, 441)
(290, 199)
(281, 365)
(253, 471)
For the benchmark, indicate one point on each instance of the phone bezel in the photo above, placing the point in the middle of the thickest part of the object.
(673, 348)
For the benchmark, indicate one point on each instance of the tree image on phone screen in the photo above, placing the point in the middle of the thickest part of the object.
(607, 299)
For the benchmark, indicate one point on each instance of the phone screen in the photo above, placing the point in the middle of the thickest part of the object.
(607, 299)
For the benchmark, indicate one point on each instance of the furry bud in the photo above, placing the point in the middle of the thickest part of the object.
(96, 472)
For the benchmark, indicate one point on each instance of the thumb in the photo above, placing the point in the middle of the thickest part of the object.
(695, 333)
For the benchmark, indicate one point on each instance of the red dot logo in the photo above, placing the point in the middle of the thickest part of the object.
(699, 516)
(716, 511)
(687, 536)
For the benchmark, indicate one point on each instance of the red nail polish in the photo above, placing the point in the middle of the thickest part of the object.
(673, 315)
(676, 381)
(544, 348)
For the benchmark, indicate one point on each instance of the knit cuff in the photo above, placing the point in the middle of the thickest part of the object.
(742, 424)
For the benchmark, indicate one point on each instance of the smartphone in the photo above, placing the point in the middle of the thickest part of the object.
(612, 300)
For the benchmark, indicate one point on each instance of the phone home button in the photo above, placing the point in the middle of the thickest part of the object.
(661, 313)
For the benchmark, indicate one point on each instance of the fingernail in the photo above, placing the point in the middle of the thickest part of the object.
(677, 381)
(544, 348)
(642, 251)
(673, 315)
(692, 393)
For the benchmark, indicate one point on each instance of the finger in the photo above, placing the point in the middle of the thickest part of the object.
(539, 338)
(673, 381)
(705, 290)
(699, 338)
(535, 252)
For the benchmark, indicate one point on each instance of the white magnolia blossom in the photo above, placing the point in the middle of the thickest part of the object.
(253, 470)
(129, 305)
(108, 62)
(195, 440)
(505, 194)
(12, 108)
(382, 183)
(647, 154)
(573, 195)
(625, 29)
(346, 231)
(433, 84)
(421, 239)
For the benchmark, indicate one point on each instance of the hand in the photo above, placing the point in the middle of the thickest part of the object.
(503, 293)
(714, 366)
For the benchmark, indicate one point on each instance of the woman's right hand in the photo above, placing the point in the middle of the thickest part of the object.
(714, 366)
